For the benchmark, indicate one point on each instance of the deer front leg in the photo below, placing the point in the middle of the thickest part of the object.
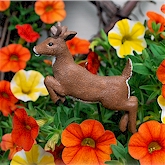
(55, 89)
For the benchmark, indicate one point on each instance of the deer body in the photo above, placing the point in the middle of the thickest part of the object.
(73, 80)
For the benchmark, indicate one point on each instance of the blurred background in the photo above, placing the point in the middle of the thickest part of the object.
(85, 18)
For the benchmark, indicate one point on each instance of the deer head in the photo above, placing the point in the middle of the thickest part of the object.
(54, 45)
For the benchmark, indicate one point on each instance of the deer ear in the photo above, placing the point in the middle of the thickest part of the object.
(69, 35)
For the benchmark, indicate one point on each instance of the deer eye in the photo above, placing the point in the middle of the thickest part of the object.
(50, 43)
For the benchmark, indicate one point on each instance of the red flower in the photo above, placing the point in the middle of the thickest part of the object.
(157, 18)
(148, 144)
(163, 8)
(7, 99)
(87, 143)
(25, 129)
(8, 144)
(26, 32)
(13, 57)
(57, 154)
(78, 46)
(93, 62)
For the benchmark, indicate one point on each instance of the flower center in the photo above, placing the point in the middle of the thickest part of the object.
(125, 38)
(48, 8)
(14, 57)
(153, 146)
(28, 127)
(27, 92)
(88, 142)
(5, 95)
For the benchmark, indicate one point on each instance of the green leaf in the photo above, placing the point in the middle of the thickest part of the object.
(135, 59)
(155, 26)
(1, 134)
(141, 69)
(153, 95)
(15, 20)
(149, 87)
(11, 27)
(103, 35)
(113, 71)
(32, 18)
(25, 11)
(66, 110)
(73, 119)
(131, 161)
(157, 49)
(118, 151)
(114, 162)
(93, 44)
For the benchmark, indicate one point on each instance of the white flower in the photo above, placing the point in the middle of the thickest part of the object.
(161, 102)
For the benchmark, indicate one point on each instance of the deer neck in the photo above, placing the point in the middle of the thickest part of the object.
(62, 60)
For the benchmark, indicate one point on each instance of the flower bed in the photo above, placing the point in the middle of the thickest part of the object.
(35, 130)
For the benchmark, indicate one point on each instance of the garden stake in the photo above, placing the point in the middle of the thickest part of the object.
(71, 79)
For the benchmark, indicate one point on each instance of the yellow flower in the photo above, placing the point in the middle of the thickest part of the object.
(28, 85)
(161, 102)
(127, 36)
(36, 155)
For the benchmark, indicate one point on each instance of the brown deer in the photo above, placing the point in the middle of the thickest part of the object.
(71, 79)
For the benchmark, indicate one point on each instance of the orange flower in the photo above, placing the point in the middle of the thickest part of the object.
(13, 57)
(93, 62)
(50, 11)
(7, 99)
(8, 144)
(78, 46)
(26, 32)
(4, 5)
(87, 143)
(25, 129)
(48, 62)
(148, 144)
(157, 18)
(161, 76)
(163, 8)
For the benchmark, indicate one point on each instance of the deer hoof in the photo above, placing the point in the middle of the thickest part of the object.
(65, 103)
(123, 122)
(58, 102)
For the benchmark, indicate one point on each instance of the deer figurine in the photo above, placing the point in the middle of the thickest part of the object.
(71, 79)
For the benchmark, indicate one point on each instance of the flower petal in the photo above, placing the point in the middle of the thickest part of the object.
(163, 8)
(103, 143)
(160, 72)
(137, 31)
(125, 49)
(137, 146)
(161, 102)
(150, 130)
(92, 128)
(78, 155)
(4, 5)
(114, 39)
(72, 135)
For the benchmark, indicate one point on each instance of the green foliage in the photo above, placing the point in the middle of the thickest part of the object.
(53, 119)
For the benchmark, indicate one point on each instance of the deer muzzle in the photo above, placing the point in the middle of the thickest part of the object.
(36, 54)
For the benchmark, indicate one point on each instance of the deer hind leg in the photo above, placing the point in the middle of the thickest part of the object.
(131, 106)
(55, 89)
